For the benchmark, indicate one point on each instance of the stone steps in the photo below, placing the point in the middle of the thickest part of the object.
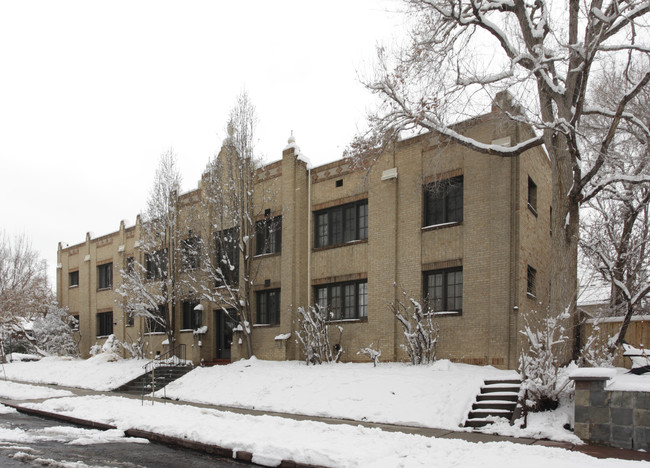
(159, 378)
(498, 399)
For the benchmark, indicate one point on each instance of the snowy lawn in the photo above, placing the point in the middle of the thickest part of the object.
(272, 439)
(102, 372)
(439, 395)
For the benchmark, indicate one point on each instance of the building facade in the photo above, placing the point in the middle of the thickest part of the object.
(430, 219)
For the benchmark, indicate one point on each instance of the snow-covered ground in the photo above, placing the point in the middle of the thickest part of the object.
(272, 439)
(16, 391)
(101, 372)
(436, 396)
(439, 395)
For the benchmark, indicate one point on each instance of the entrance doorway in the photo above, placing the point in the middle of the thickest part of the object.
(225, 325)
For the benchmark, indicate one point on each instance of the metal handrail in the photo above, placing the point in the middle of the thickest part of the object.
(174, 357)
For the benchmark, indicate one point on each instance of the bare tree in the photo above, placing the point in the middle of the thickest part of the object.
(233, 200)
(151, 288)
(24, 289)
(465, 54)
(616, 229)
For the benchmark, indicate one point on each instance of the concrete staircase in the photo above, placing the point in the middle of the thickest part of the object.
(497, 398)
(164, 375)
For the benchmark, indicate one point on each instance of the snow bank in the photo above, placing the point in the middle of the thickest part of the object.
(101, 372)
(272, 439)
(439, 395)
(629, 383)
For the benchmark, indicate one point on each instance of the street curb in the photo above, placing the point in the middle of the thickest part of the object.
(61, 417)
(216, 450)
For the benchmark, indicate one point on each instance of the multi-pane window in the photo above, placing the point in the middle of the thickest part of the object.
(191, 253)
(105, 276)
(444, 289)
(531, 280)
(341, 224)
(532, 196)
(268, 307)
(343, 300)
(73, 279)
(227, 256)
(156, 264)
(104, 323)
(268, 235)
(443, 201)
(156, 323)
(191, 317)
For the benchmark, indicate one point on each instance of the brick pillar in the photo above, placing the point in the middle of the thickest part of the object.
(592, 422)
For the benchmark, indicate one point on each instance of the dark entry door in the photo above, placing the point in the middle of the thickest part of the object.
(225, 324)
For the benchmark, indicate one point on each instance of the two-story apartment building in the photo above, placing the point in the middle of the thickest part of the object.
(470, 232)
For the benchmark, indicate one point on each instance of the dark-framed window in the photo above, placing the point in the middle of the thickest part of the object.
(191, 318)
(74, 322)
(343, 301)
(443, 201)
(191, 253)
(105, 276)
(227, 256)
(156, 264)
(532, 196)
(268, 307)
(105, 323)
(268, 235)
(531, 281)
(73, 279)
(341, 224)
(444, 289)
(157, 324)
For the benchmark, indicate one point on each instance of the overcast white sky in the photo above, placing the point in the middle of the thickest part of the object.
(91, 93)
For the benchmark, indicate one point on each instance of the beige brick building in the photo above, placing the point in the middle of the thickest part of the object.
(431, 218)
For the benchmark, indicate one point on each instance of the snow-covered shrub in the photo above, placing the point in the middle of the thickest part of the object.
(541, 360)
(313, 336)
(598, 350)
(374, 354)
(111, 347)
(53, 333)
(135, 348)
(420, 331)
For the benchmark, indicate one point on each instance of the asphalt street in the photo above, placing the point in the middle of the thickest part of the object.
(56, 444)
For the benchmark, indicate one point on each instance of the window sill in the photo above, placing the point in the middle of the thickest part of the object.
(74, 286)
(451, 313)
(345, 244)
(435, 227)
(186, 330)
(102, 336)
(353, 320)
(531, 295)
(105, 289)
(265, 255)
(265, 325)
(532, 209)
(155, 333)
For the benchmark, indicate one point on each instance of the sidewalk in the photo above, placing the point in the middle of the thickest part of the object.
(595, 451)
